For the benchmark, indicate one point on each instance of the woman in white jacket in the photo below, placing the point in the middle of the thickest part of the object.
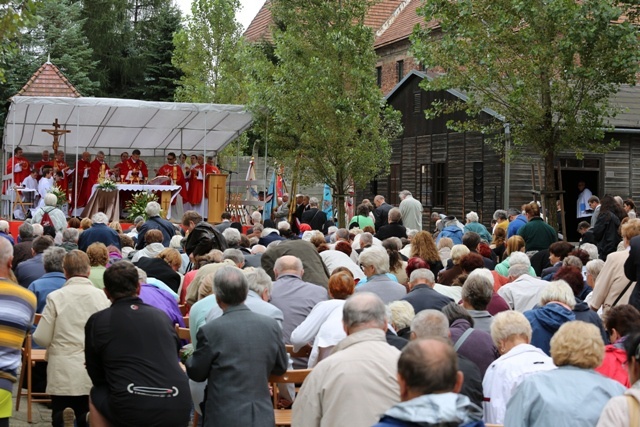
(624, 411)
(323, 326)
(511, 333)
(61, 332)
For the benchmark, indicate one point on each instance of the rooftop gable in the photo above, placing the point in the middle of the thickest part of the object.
(48, 80)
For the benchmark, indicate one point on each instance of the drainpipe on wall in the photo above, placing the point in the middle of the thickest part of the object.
(507, 166)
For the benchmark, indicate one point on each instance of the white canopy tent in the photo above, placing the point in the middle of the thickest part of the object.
(123, 124)
(115, 125)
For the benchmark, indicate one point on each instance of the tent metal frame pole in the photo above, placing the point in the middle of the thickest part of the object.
(204, 166)
(266, 157)
(75, 184)
(13, 167)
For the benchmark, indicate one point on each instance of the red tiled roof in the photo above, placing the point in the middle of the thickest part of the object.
(49, 81)
(378, 14)
(402, 25)
(258, 29)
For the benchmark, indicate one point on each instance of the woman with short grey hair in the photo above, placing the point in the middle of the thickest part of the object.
(511, 333)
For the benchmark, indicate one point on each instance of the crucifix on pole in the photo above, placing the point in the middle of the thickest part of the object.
(56, 132)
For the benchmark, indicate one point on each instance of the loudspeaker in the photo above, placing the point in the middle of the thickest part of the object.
(478, 181)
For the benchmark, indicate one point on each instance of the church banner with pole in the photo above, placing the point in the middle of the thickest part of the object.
(270, 198)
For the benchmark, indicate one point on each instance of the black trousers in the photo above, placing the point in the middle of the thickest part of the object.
(79, 404)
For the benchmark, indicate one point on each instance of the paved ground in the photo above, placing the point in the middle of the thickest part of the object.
(41, 415)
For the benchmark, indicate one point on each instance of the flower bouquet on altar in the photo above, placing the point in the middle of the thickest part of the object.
(60, 195)
(107, 185)
(138, 203)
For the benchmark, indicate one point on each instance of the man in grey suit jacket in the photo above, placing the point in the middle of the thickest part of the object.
(291, 294)
(282, 212)
(236, 353)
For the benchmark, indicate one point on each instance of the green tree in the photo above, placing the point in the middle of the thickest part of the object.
(317, 96)
(55, 33)
(14, 16)
(548, 66)
(161, 76)
(206, 53)
(127, 37)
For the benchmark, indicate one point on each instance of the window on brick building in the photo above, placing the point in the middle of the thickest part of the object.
(379, 76)
(400, 70)
(439, 182)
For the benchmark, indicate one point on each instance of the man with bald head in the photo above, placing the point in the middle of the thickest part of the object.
(292, 295)
(432, 324)
(357, 383)
(429, 385)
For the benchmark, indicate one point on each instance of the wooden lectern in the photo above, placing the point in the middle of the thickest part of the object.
(216, 187)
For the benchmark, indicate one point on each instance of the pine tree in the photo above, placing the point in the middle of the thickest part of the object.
(128, 36)
(160, 76)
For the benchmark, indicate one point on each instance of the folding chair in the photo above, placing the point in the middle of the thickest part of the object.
(295, 376)
(183, 334)
(183, 309)
(30, 357)
(303, 352)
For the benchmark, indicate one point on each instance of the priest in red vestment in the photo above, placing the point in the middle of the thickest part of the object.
(99, 169)
(46, 161)
(63, 167)
(196, 183)
(120, 169)
(174, 171)
(136, 169)
(19, 166)
(82, 186)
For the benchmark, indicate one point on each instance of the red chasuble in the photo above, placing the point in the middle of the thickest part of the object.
(195, 183)
(175, 173)
(18, 177)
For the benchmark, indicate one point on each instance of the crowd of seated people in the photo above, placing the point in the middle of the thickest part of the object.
(508, 324)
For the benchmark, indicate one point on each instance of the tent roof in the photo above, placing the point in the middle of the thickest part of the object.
(122, 124)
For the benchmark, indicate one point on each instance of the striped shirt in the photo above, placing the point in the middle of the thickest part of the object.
(17, 308)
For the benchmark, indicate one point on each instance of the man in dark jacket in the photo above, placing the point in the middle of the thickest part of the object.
(125, 391)
(202, 237)
(155, 222)
(381, 212)
(422, 296)
(432, 324)
(632, 270)
(394, 228)
(314, 216)
(99, 232)
(22, 250)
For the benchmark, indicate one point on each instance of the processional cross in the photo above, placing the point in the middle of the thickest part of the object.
(56, 132)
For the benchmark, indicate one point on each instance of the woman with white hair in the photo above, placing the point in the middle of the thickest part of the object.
(375, 265)
(448, 276)
(556, 308)
(573, 395)
(511, 333)
(473, 225)
(49, 214)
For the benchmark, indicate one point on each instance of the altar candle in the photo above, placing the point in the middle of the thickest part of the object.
(175, 173)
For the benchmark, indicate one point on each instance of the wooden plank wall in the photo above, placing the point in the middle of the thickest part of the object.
(634, 152)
